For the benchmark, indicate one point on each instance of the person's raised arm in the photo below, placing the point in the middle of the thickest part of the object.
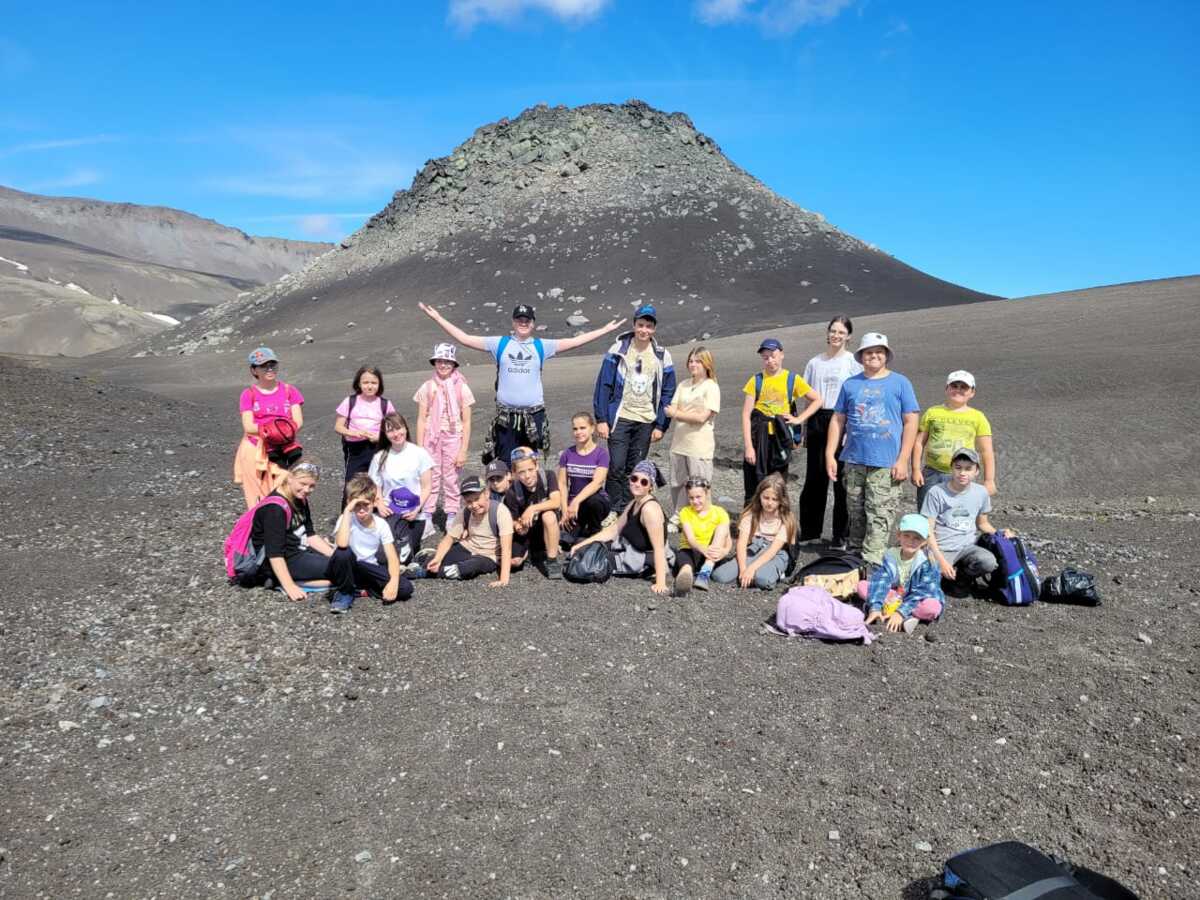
(987, 456)
(341, 537)
(475, 342)
(579, 340)
(833, 443)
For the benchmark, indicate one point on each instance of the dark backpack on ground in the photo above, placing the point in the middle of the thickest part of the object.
(1015, 581)
(1071, 586)
(591, 565)
(833, 572)
(1011, 870)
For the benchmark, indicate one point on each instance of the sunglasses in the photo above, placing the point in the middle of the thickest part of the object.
(697, 483)
(268, 365)
(307, 468)
(639, 479)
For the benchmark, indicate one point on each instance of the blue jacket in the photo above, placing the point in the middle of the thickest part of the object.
(610, 383)
(924, 580)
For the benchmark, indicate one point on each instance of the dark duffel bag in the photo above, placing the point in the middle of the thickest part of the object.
(1015, 871)
(1071, 586)
(591, 565)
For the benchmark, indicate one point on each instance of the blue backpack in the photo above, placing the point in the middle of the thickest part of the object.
(797, 431)
(1016, 580)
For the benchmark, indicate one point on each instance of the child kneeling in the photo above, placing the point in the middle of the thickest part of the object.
(905, 587)
(360, 538)
(478, 540)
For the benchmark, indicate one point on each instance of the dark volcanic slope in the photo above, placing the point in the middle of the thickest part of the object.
(590, 210)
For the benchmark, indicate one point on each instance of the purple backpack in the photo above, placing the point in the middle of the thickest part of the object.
(813, 612)
(1016, 579)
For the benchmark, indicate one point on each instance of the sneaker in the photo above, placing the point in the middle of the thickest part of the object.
(451, 572)
(910, 625)
(683, 582)
(404, 552)
(425, 554)
(554, 568)
(838, 544)
(341, 603)
(414, 570)
(430, 531)
(702, 578)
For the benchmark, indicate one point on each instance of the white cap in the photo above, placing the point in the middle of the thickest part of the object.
(961, 375)
(873, 339)
(446, 351)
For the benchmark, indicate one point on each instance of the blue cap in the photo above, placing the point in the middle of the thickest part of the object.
(769, 344)
(261, 356)
(646, 311)
(916, 523)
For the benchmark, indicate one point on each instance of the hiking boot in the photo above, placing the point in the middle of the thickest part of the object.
(554, 568)
(910, 625)
(451, 572)
(683, 582)
(702, 579)
(341, 603)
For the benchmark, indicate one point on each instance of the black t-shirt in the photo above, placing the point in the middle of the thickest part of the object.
(519, 498)
(270, 528)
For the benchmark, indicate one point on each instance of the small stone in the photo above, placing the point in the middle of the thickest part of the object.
(577, 319)
(99, 702)
(1001, 741)
(923, 847)
(364, 856)
(946, 792)
(1144, 638)
(66, 725)
(931, 637)
(834, 836)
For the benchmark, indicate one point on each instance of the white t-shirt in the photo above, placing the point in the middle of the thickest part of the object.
(825, 376)
(401, 469)
(365, 541)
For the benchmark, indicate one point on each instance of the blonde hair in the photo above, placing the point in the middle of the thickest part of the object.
(706, 359)
(774, 483)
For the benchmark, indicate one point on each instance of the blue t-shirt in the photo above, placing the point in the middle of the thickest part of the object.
(520, 371)
(874, 409)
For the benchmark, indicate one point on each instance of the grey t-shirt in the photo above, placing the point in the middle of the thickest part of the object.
(520, 369)
(954, 515)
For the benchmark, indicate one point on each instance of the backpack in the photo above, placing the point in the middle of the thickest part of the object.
(591, 565)
(795, 432)
(504, 342)
(242, 561)
(1013, 869)
(837, 573)
(1015, 580)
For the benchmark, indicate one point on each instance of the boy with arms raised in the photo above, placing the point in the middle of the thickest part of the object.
(877, 412)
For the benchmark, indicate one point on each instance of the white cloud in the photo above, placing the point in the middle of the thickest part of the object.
(776, 17)
(469, 13)
(58, 144)
(75, 178)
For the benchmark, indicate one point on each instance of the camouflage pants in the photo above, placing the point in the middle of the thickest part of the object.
(873, 501)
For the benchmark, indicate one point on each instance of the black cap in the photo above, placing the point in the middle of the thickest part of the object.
(523, 311)
(470, 484)
(497, 468)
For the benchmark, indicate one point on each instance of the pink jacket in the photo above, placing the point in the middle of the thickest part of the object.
(812, 612)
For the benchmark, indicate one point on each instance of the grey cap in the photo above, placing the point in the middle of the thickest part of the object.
(965, 453)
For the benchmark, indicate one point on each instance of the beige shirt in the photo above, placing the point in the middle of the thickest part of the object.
(696, 440)
(479, 538)
(637, 400)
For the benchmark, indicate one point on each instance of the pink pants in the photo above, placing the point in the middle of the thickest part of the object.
(443, 447)
(926, 610)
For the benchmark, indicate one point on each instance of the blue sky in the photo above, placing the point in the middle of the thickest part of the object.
(1014, 147)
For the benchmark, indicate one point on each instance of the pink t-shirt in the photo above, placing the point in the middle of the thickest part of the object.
(366, 415)
(428, 393)
(269, 406)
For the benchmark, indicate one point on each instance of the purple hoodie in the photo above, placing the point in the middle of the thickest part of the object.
(812, 612)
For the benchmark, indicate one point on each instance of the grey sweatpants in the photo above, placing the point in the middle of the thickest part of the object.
(973, 561)
(769, 573)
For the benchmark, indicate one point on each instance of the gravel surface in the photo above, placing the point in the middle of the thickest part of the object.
(167, 735)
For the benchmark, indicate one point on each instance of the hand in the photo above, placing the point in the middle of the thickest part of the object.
(566, 519)
(746, 578)
(712, 554)
(367, 436)
(353, 505)
(385, 511)
(1009, 533)
(990, 487)
(948, 571)
(671, 410)
(411, 516)
(659, 587)
(895, 622)
(573, 510)
(434, 565)
(656, 436)
(498, 583)
(793, 420)
(390, 590)
(874, 616)
(460, 458)
(614, 325)
(526, 519)
(294, 592)
(918, 477)
(900, 470)
(602, 430)
(831, 468)
(430, 311)
(750, 456)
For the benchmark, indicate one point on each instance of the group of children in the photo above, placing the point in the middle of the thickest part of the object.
(870, 437)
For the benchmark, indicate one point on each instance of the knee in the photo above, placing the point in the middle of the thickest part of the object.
(764, 581)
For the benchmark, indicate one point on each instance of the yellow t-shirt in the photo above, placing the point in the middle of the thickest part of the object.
(774, 401)
(950, 430)
(703, 526)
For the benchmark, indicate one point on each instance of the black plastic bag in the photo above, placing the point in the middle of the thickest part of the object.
(1071, 586)
(591, 565)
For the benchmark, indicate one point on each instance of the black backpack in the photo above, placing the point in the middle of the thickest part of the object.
(591, 565)
(1012, 869)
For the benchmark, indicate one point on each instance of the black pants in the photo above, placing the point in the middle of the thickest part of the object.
(367, 576)
(592, 512)
(769, 458)
(816, 484)
(469, 565)
(509, 439)
(686, 556)
(628, 444)
(307, 565)
(408, 536)
(357, 456)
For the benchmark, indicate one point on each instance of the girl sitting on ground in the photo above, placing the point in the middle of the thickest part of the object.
(361, 538)
(766, 530)
(638, 537)
(401, 471)
(705, 541)
(359, 420)
(582, 470)
(294, 550)
(266, 400)
(906, 587)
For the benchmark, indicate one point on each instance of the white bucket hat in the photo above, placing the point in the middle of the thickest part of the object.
(873, 339)
(446, 351)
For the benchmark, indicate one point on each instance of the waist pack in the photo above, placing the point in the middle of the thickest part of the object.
(591, 565)
(1012, 869)
(1071, 586)
(838, 574)
(1015, 581)
(242, 560)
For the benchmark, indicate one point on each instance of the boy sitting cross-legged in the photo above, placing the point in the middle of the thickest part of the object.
(534, 507)
(958, 512)
(478, 540)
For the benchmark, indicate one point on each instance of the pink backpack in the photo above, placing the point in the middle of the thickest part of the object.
(241, 559)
